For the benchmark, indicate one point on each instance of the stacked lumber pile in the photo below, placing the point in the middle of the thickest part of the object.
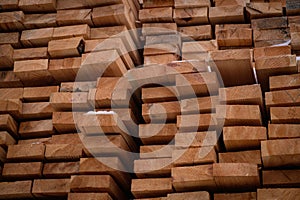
(214, 112)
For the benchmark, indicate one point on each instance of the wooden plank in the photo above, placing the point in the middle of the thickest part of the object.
(270, 37)
(252, 156)
(11, 38)
(160, 59)
(231, 35)
(232, 64)
(26, 152)
(282, 98)
(295, 40)
(151, 187)
(191, 3)
(156, 49)
(12, 107)
(76, 86)
(283, 131)
(12, 21)
(96, 183)
(31, 129)
(74, 17)
(234, 14)
(51, 187)
(159, 112)
(275, 153)
(60, 170)
(264, 10)
(200, 84)
(70, 47)
(192, 123)
(66, 139)
(202, 32)
(237, 196)
(64, 69)
(232, 176)
(292, 7)
(281, 178)
(6, 59)
(11, 93)
(30, 53)
(231, 2)
(63, 152)
(9, 4)
(35, 140)
(29, 170)
(199, 105)
(174, 39)
(95, 196)
(242, 95)
(158, 94)
(190, 16)
(156, 151)
(157, 133)
(196, 139)
(7, 123)
(17, 189)
(92, 166)
(2, 155)
(289, 115)
(156, 15)
(66, 101)
(71, 31)
(63, 122)
(203, 195)
(38, 94)
(271, 51)
(243, 137)
(158, 28)
(33, 21)
(106, 63)
(194, 156)
(193, 177)
(33, 72)
(9, 80)
(151, 168)
(272, 66)
(157, 3)
(284, 193)
(6, 139)
(38, 110)
(36, 37)
(234, 115)
(37, 6)
(269, 23)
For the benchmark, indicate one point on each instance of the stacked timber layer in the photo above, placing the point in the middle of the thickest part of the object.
(213, 113)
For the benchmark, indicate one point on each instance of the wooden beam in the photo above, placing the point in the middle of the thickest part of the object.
(12, 107)
(48, 187)
(281, 115)
(151, 187)
(26, 152)
(282, 98)
(6, 139)
(263, 10)
(157, 133)
(31, 129)
(228, 196)
(156, 151)
(96, 196)
(157, 3)
(204, 195)
(60, 169)
(74, 17)
(275, 153)
(199, 105)
(9, 5)
(37, 6)
(195, 122)
(96, 183)
(243, 137)
(33, 21)
(12, 21)
(283, 131)
(66, 101)
(17, 189)
(37, 37)
(270, 37)
(160, 59)
(234, 14)
(196, 139)
(269, 23)
(37, 110)
(70, 47)
(262, 52)
(190, 16)
(281, 178)
(191, 3)
(64, 32)
(231, 2)
(252, 156)
(292, 7)
(6, 56)
(202, 32)
(30, 53)
(193, 177)
(63, 122)
(158, 28)
(38, 94)
(12, 38)
(9, 80)
(28, 170)
(77, 86)
(233, 176)
(234, 66)
(63, 152)
(233, 115)
(156, 15)
(150, 168)
(7, 123)
(158, 94)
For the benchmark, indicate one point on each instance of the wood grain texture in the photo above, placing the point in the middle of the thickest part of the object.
(26, 152)
(49, 187)
(22, 170)
(271, 193)
(190, 16)
(6, 56)
(18, 189)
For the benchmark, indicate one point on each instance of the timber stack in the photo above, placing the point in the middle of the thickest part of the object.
(149, 99)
